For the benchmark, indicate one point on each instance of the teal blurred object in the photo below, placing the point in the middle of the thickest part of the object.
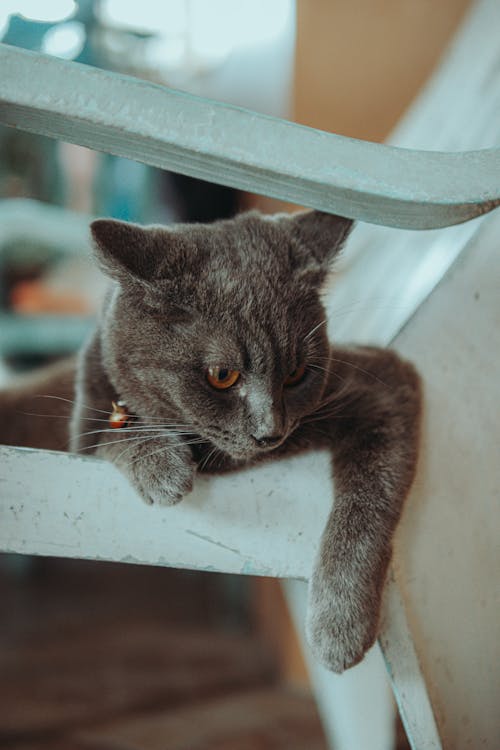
(36, 235)
(124, 189)
(42, 335)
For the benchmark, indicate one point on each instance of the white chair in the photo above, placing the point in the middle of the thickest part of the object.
(441, 660)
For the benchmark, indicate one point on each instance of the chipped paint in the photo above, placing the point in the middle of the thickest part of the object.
(212, 541)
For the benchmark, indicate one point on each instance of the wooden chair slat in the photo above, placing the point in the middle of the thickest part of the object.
(232, 146)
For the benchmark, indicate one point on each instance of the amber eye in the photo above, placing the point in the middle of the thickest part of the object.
(221, 377)
(296, 376)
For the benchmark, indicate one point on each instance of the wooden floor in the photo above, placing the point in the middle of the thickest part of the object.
(99, 656)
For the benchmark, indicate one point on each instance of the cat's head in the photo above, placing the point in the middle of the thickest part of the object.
(220, 327)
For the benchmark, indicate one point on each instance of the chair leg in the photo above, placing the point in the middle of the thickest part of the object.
(356, 708)
(408, 684)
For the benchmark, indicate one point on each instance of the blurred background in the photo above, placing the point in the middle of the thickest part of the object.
(103, 655)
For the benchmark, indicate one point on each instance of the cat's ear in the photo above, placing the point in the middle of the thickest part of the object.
(146, 261)
(317, 237)
(124, 250)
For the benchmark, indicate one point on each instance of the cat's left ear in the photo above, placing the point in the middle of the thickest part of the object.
(317, 238)
(145, 261)
(124, 251)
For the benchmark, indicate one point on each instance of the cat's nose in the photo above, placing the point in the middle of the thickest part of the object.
(267, 441)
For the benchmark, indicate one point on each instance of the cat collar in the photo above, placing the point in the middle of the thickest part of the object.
(119, 416)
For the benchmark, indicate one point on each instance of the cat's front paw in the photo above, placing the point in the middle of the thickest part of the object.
(165, 487)
(160, 475)
(341, 624)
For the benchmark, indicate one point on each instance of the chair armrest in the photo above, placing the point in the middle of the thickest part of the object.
(226, 144)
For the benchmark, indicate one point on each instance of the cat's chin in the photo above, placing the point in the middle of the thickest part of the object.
(249, 455)
(240, 457)
(235, 457)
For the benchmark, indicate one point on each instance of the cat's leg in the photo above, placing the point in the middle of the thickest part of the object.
(161, 470)
(159, 464)
(373, 425)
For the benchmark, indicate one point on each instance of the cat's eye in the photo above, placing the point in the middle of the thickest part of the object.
(296, 376)
(222, 378)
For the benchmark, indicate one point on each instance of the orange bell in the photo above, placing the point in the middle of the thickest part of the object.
(119, 417)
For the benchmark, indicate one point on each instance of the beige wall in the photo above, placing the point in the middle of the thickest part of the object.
(359, 63)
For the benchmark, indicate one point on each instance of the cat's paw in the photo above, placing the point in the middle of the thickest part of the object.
(165, 487)
(160, 475)
(341, 625)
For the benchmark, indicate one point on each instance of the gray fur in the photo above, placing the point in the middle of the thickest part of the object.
(245, 294)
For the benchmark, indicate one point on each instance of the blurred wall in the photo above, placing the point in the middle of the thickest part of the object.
(359, 63)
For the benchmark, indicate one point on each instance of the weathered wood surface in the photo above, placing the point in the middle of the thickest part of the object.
(244, 522)
(225, 144)
(447, 544)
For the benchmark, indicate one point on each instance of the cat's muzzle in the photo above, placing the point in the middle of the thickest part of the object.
(268, 442)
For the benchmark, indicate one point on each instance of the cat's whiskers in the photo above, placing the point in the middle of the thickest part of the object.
(164, 448)
(136, 438)
(205, 460)
(138, 427)
(329, 372)
(210, 454)
(165, 429)
(120, 440)
(316, 327)
(60, 416)
(370, 305)
(321, 417)
(71, 401)
(372, 375)
(336, 401)
(360, 369)
(90, 408)
(318, 414)
(152, 437)
(214, 458)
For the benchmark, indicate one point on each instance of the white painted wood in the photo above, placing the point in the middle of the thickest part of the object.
(446, 560)
(232, 146)
(244, 522)
(409, 684)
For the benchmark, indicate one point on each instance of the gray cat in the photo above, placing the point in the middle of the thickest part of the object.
(214, 337)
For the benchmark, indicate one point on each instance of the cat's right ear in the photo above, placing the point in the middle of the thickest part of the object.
(125, 251)
(319, 237)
